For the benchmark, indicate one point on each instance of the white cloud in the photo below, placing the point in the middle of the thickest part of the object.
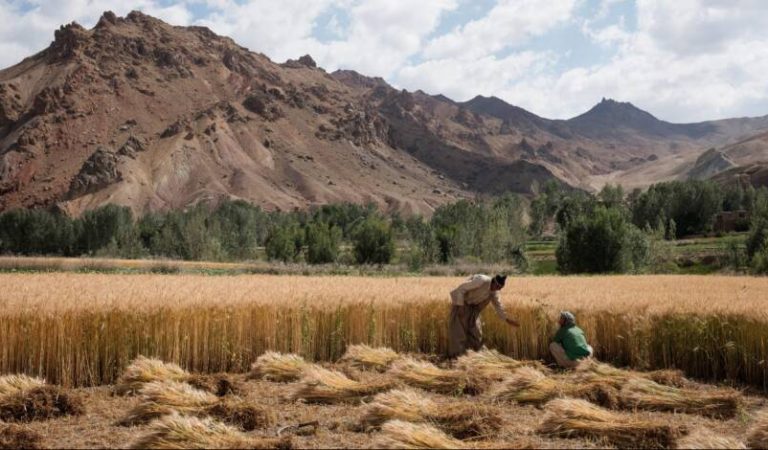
(508, 24)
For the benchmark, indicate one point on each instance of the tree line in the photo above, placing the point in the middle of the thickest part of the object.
(608, 232)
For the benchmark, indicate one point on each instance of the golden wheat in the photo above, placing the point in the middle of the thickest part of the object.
(321, 385)
(578, 418)
(83, 329)
(10, 384)
(703, 438)
(275, 366)
(459, 418)
(362, 356)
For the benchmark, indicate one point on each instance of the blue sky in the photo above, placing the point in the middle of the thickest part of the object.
(682, 60)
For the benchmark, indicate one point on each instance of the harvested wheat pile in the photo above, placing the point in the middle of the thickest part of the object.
(273, 366)
(529, 386)
(219, 384)
(165, 398)
(591, 369)
(427, 376)
(364, 357)
(406, 435)
(145, 370)
(525, 385)
(703, 438)
(757, 436)
(490, 365)
(650, 396)
(321, 385)
(459, 418)
(180, 432)
(568, 417)
(241, 413)
(10, 384)
(39, 403)
(13, 436)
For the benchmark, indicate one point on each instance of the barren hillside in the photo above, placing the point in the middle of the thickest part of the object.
(145, 114)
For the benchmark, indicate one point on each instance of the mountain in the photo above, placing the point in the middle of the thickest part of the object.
(153, 116)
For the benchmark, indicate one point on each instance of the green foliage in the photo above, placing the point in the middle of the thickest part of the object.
(284, 243)
(373, 241)
(488, 230)
(322, 241)
(692, 206)
(600, 242)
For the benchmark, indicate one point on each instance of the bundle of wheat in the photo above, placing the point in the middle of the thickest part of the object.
(591, 369)
(427, 376)
(490, 365)
(365, 357)
(164, 398)
(321, 385)
(39, 403)
(650, 396)
(703, 438)
(10, 384)
(275, 366)
(14, 436)
(406, 435)
(180, 432)
(219, 384)
(459, 418)
(145, 370)
(526, 385)
(757, 436)
(578, 418)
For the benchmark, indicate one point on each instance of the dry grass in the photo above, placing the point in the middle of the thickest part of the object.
(13, 436)
(10, 384)
(405, 435)
(427, 376)
(321, 385)
(180, 432)
(364, 357)
(274, 366)
(703, 438)
(459, 418)
(219, 384)
(650, 396)
(39, 403)
(578, 418)
(145, 370)
(757, 436)
(53, 325)
(159, 399)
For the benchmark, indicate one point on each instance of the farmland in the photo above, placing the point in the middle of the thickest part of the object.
(82, 329)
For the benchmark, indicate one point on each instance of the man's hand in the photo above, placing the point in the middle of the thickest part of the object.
(512, 322)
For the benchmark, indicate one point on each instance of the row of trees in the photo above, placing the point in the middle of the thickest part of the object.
(609, 232)
(235, 230)
(614, 232)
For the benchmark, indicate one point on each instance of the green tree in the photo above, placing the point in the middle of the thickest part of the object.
(373, 242)
(284, 243)
(599, 242)
(322, 243)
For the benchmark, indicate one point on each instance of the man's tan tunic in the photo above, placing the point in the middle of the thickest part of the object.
(469, 300)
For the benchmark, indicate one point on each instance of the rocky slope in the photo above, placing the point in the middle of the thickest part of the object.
(141, 113)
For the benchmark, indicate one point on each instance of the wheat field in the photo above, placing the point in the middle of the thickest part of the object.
(83, 329)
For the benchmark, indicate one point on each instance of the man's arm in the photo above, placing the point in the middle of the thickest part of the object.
(558, 336)
(457, 295)
(501, 313)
